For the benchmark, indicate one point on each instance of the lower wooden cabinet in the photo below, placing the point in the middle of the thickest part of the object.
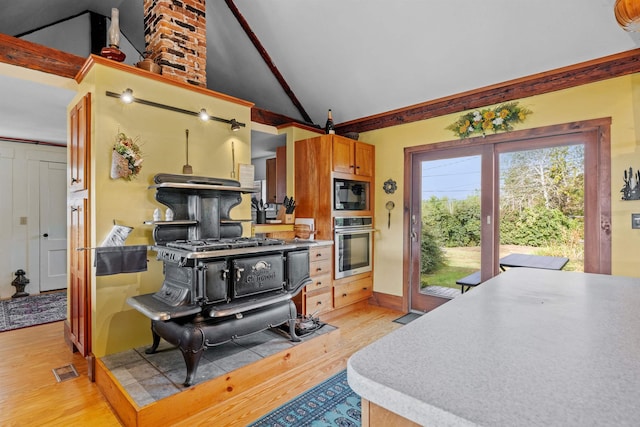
(347, 291)
(326, 294)
(318, 303)
(317, 298)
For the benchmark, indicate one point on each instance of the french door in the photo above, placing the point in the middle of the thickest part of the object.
(469, 181)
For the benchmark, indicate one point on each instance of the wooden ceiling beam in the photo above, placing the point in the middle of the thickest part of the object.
(30, 55)
(33, 56)
(562, 78)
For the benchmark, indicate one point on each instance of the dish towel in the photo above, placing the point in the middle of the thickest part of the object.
(120, 259)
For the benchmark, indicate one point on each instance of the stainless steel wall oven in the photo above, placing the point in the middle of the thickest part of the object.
(353, 243)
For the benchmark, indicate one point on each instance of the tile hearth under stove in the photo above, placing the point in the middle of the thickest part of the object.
(148, 378)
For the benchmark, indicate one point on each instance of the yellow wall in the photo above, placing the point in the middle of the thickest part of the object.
(294, 133)
(161, 135)
(618, 98)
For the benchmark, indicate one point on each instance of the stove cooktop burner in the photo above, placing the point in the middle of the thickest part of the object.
(221, 244)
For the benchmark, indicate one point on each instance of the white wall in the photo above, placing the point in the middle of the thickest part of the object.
(19, 218)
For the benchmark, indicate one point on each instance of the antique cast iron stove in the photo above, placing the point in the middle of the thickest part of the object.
(217, 285)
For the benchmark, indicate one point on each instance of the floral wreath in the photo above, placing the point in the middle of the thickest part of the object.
(126, 160)
(500, 118)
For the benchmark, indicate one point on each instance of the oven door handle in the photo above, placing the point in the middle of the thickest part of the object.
(354, 231)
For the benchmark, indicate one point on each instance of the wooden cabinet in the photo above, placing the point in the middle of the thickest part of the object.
(315, 168)
(78, 326)
(352, 157)
(351, 290)
(78, 278)
(277, 176)
(317, 298)
(317, 162)
(79, 121)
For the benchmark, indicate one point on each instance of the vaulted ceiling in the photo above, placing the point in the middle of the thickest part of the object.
(358, 57)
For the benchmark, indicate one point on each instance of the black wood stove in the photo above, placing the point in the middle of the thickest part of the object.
(217, 285)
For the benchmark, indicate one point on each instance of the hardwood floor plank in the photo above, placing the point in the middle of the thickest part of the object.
(30, 394)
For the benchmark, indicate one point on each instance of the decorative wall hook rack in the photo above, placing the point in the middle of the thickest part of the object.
(631, 188)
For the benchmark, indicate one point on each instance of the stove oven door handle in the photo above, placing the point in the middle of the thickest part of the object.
(239, 271)
(201, 271)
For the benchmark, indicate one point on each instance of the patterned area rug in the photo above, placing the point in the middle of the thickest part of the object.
(33, 310)
(329, 404)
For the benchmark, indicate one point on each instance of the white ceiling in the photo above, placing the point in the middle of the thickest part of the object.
(357, 57)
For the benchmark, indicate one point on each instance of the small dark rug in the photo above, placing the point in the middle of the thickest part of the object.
(410, 317)
(331, 403)
(33, 310)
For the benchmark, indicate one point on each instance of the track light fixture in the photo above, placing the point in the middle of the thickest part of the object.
(127, 98)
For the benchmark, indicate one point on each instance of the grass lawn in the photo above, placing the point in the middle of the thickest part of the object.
(463, 261)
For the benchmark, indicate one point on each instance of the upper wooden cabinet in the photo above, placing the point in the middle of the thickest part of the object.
(277, 176)
(352, 157)
(315, 170)
(79, 124)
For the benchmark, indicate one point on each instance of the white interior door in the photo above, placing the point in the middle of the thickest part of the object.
(53, 226)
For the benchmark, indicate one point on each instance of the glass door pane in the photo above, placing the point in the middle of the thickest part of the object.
(542, 203)
(450, 226)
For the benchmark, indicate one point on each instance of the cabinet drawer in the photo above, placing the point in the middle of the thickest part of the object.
(320, 253)
(319, 303)
(322, 281)
(317, 268)
(349, 293)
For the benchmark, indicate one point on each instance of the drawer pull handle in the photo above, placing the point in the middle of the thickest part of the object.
(365, 288)
(319, 284)
(319, 303)
(318, 255)
(318, 269)
(344, 295)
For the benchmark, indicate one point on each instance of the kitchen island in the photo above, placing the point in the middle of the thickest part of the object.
(528, 347)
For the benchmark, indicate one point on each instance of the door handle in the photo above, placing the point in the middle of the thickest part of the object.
(45, 235)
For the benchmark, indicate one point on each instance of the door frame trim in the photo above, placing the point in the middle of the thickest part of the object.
(602, 129)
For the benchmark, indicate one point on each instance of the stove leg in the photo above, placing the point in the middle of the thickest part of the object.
(293, 315)
(156, 341)
(191, 359)
(292, 330)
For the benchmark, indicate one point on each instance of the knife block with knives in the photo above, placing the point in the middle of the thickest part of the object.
(284, 216)
(285, 213)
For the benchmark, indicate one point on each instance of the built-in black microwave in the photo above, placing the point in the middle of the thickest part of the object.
(350, 195)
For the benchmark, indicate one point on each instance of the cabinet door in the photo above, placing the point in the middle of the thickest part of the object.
(365, 159)
(271, 180)
(78, 276)
(79, 122)
(343, 155)
(281, 174)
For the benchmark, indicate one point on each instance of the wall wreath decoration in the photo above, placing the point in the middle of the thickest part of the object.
(500, 118)
(126, 158)
(389, 186)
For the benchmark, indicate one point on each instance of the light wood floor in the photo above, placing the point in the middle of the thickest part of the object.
(30, 394)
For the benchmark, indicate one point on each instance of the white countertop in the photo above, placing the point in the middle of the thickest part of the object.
(529, 347)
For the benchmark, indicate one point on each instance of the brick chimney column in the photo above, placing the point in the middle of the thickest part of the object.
(175, 34)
